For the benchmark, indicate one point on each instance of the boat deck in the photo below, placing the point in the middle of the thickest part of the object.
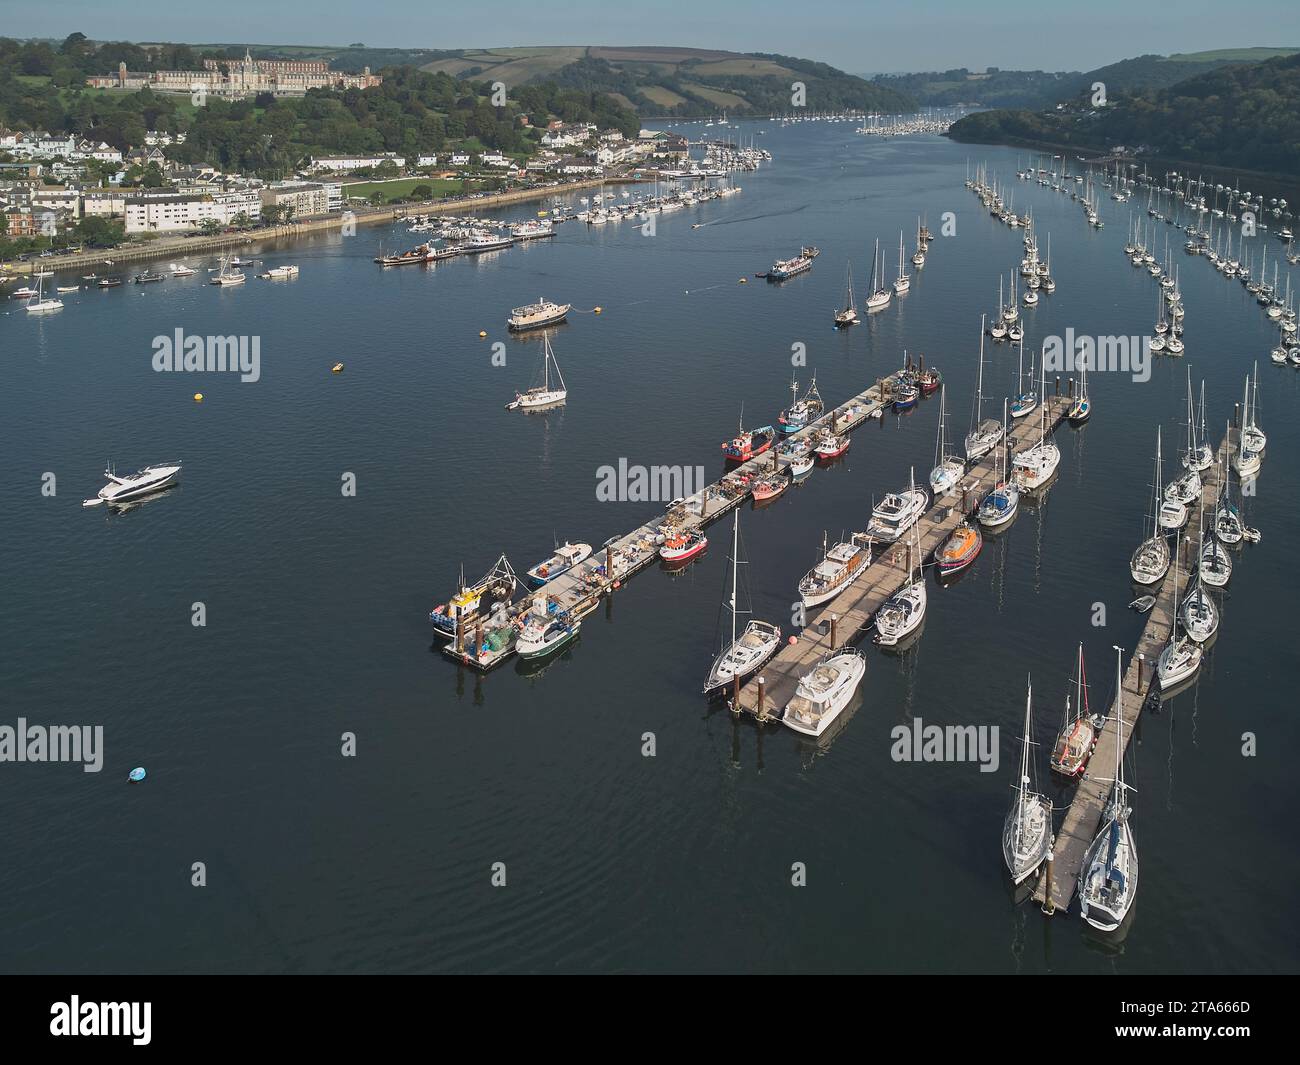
(847, 617)
(579, 590)
(1083, 818)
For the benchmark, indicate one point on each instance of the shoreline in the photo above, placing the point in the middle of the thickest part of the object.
(179, 246)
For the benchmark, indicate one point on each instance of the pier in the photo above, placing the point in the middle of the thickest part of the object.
(1060, 879)
(579, 591)
(847, 617)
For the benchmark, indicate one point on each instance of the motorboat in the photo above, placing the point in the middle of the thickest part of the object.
(839, 567)
(536, 315)
(565, 558)
(825, 691)
(145, 481)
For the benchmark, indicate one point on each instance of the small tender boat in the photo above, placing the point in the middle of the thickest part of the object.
(825, 691)
(1142, 603)
(682, 547)
(565, 558)
(959, 550)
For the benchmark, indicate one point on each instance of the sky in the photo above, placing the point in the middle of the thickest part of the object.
(860, 36)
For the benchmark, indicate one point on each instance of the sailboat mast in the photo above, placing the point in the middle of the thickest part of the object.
(735, 573)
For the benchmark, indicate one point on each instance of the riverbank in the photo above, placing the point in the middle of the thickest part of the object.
(182, 246)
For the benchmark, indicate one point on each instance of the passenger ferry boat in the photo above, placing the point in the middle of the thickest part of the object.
(421, 253)
(536, 315)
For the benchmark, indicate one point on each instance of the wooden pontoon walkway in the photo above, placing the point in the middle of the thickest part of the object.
(847, 617)
(1083, 818)
(579, 591)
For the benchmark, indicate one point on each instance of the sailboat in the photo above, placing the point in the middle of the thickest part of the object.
(901, 283)
(1109, 880)
(881, 294)
(1034, 467)
(849, 315)
(749, 648)
(997, 328)
(984, 433)
(1150, 562)
(1181, 656)
(1079, 730)
(1228, 526)
(1200, 455)
(1171, 513)
(1252, 436)
(1200, 615)
(547, 394)
(1001, 504)
(902, 613)
(226, 276)
(1186, 489)
(948, 468)
(38, 304)
(1027, 401)
(918, 257)
(1215, 568)
(1081, 407)
(1027, 831)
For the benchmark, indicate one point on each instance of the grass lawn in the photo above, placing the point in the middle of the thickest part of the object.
(401, 187)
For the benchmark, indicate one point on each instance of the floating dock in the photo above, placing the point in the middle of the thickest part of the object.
(1060, 876)
(847, 617)
(579, 591)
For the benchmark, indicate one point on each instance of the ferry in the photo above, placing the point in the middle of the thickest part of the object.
(536, 315)
(421, 253)
(748, 444)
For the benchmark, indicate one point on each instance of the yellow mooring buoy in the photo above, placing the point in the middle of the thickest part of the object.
(595, 310)
(482, 333)
(198, 397)
(337, 368)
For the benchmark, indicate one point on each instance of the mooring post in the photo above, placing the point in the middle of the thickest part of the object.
(609, 563)
(762, 690)
(1236, 415)
(735, 693)
(478, 636)
(834, 619)
(460, 636)
(1058, 384)
(1069, 388)
(1049, 907)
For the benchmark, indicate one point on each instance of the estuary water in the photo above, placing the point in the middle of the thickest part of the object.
(315, 605)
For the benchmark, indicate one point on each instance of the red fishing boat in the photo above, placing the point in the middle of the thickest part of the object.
(831, 446)
(928, 381)
(961, 548)
(682, 547)
(748, 444)
(771, 485)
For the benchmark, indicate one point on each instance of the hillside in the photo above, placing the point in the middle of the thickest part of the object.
(676, 81)
(1244, 116)
(1036, 89)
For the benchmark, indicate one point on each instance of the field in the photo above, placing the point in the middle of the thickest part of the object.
(392, 190)
(662, 96)
(514, 66)
(1231, 55)
(717, 96)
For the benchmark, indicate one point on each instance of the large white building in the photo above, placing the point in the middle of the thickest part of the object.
(341, 164)
(181, 212)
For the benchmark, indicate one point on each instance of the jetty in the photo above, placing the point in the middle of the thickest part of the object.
(1060, 876)
(579, 591)
(850, 614)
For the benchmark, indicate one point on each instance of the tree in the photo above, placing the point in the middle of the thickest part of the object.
(97, 232)
(422, 192)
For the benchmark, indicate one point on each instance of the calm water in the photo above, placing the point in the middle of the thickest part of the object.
(317, 603)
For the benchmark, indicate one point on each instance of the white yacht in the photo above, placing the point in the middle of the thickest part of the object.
(1027, 831)
(896, 513)
(1034, 467)
(1181, 657)
(948, 468)
(984, 432)
(143, 482)
(902, 613)
(825, 691)
(547, 394)
(1150, 562)
(748, 649)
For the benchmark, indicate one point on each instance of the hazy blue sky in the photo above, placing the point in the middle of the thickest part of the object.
(855, 35)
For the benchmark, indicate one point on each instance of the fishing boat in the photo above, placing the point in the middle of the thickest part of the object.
(536, 315)
(839, 567)
(849, 315)
(496, 586)
(548, 393)
(803, 410)
(897, 512)
(750, 647)
(984, 432)
(902, 613)
(748, 444)
(109, 282)
(881, 293)
(824, 691)
(1181, 656)
(683, 546)
(565, 558)
(1150, 562)
(906, 395)
(928, 380)
(545, 633)
(831, 446)
(802, 464)
(144, 482)
(1027, 831)
(770, 485)
(959, 550)
(421, 253)
(1109, 872)
(1080, 730)
(1000, 505)
(948, 468)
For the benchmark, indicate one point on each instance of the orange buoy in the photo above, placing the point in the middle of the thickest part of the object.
(794, 640)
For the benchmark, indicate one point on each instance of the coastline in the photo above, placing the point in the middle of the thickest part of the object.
(179, 245)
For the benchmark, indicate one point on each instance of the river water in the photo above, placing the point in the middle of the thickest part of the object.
(316, 606)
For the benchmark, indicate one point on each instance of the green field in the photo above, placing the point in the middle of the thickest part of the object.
(1231, 55)
(401, 187)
